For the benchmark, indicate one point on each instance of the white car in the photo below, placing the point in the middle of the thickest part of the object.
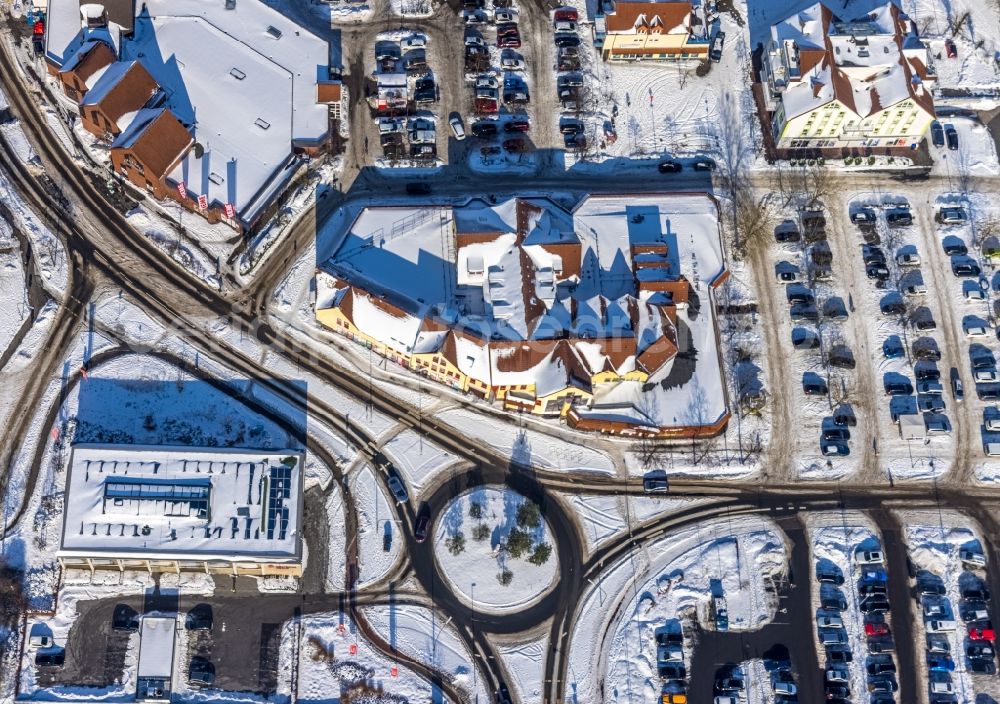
(565, 26)
(986, 375)
(786, 688)
(824, 621)
(389, 124)
(505, 14)
(837, 675)
(457, 128)
(908, 259)
(942, 688)
(974, 326)
(511, 62)
(486, 82)
(417, 41)
(974, 294)
(870, 557)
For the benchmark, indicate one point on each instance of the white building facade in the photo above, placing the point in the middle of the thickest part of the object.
(859, 82)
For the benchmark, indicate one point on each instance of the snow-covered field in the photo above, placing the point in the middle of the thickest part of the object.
(486, 522)
(14, 308)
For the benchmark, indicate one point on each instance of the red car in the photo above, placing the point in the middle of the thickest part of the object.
(507, 30)
(876, 629)
(509, 42)
(517, 126)
(514, 145)
(566, 14)
(981, 633)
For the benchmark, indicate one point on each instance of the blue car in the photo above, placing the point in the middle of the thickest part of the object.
(892, 348)
(940, 663)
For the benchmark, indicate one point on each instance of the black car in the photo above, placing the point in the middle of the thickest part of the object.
(715, 53)
(669, 638)
(880, 666)
(703, 164)
(51, 657)
(954, 247)
(669, 167)
(418, 189)
(387, 537)
(124, 618)
(937, 134)
(833, 601)
(836, 433)
(965, 269)
(837, 690)
(420, 529)
(987, 667)
(199, 618)
(814, 388)
(830, 575)
(201, 672)
(877, 646)
(425, 95)
(563, 40)
(503, 694)
(839, 655)
(951, 136)
(979, 593)
(899, 217)
(984, 650)
(484, 128)
(672, 671)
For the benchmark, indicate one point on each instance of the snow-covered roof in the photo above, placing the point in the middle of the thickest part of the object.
(128, 501)
(216, 65)
(869, 62)
(65, 31)
(156, 646)
(541, 295)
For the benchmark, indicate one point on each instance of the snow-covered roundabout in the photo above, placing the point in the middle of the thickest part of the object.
(495, 549)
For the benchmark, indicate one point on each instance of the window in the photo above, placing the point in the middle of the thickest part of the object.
(237, 74)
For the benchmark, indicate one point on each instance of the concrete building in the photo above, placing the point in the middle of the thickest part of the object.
(839, 84)
(173, 509)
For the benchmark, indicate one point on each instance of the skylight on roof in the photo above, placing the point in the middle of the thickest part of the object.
(274, 31)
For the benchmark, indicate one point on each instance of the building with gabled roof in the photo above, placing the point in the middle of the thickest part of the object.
(85, 68)
(842, 83)
(116, 98)
(650, 30)
(150, 148)
(528, 305)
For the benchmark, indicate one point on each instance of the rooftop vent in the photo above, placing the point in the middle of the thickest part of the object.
(237, 74)
(230, 4)
(274, 31)
(262, 123)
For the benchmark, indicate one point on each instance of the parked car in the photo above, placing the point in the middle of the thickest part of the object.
(937, 134)
(669, 167)
(869, 557)
(972, 557)
(951, 136)
(456, 127)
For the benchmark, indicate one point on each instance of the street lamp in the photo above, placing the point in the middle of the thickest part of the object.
(475, 673)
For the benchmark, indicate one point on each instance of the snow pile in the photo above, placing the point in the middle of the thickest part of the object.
(14, 308)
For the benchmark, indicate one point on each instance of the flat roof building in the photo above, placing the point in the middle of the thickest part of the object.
(172, 509)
